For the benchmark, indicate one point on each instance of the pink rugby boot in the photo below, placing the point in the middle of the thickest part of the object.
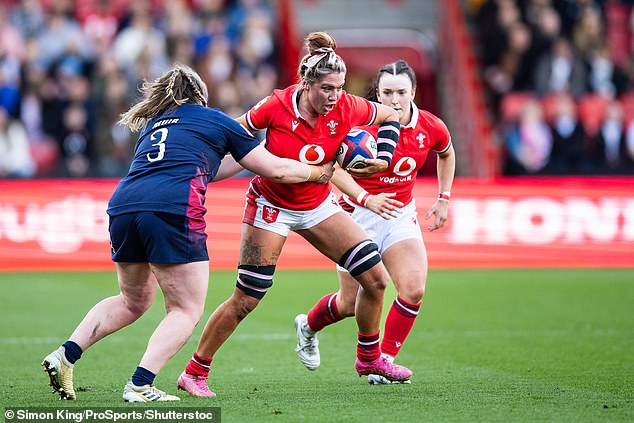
(383, 367)
(196, 386)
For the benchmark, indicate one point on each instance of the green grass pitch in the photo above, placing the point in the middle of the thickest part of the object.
(503, 345)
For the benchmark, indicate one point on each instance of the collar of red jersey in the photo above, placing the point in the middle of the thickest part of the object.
(414, 119)
(296, 101)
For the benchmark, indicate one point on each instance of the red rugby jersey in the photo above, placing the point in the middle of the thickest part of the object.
(424, 132)
(289, 135)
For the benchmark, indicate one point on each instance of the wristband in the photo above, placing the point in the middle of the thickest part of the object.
(444, 196)
(363, 198)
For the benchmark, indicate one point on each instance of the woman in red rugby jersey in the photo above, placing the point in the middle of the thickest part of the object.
(307, 122)
(383, 205)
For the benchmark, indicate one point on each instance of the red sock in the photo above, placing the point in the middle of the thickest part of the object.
(198, 366)
(323, 313)
(398, 324)
(368, 347)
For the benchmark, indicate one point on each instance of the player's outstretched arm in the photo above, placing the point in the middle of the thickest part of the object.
(282, 170)
(228, 168)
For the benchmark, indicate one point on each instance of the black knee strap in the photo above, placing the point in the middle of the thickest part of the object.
(255, 280)
(361, 257)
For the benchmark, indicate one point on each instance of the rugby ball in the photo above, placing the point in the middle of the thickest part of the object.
(358, 145)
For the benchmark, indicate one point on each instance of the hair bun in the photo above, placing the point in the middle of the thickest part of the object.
(319, 40)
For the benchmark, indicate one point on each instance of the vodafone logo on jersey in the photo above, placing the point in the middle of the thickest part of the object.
(311, 154)
(405, 166)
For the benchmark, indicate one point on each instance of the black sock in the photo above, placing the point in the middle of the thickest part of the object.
(72, 351)
(142, 377)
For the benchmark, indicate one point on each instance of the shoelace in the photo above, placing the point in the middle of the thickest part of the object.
(311, 341)
(311, 344)
(200, 381)
(201, 384)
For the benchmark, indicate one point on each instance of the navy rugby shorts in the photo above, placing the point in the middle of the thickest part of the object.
(154, 237)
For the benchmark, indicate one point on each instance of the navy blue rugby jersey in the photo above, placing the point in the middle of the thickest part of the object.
(176, 156)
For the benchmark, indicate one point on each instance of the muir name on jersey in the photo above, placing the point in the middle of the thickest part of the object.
(165, 122)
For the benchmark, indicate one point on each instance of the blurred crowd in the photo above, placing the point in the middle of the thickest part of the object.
(69, 68)
(560, 77)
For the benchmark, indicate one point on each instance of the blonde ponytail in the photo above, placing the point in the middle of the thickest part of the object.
(177, 86)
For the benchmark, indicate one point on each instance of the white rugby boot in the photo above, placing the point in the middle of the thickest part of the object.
(145, 393)
(60, 372)
(307, 343)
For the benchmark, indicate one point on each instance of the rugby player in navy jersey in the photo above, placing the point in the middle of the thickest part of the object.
(157, 229)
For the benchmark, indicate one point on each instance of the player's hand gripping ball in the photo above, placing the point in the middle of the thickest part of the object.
(355, 148)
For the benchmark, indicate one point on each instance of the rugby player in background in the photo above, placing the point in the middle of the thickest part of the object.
(383, 205)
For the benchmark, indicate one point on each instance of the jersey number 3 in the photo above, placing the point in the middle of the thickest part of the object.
(161, 135)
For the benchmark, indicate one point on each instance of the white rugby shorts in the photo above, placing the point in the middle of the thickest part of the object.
(279, 220)
(386, 233)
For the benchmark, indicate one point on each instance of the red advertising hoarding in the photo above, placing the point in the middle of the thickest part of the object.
(514, 222)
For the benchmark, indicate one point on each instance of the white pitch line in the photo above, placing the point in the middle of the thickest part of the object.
(57, 340)
(31, 340)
